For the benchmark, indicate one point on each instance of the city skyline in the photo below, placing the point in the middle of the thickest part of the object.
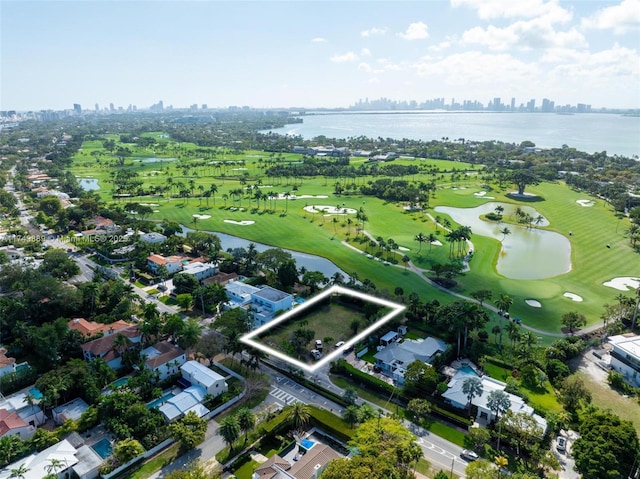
(307, 54)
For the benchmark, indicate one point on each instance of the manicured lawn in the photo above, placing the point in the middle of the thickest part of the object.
(285, 223)
(246, 470)
(152, 466)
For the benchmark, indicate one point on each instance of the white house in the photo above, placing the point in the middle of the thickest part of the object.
(239, 294)
(71, 410)
(200, 375)
(153, 238)
(394, 359)
(82, 461)
(625, 357)
(173, 264)
(189, 400)
(31, 414)
(200, 270)
(266, 302)
(11, 424)
(164, 358)
(457, 398)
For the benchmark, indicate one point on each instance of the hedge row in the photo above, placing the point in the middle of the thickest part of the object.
(331, 423)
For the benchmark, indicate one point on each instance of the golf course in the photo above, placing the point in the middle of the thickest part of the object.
(329, 217)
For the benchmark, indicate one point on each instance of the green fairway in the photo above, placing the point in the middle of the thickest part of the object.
(283, 221)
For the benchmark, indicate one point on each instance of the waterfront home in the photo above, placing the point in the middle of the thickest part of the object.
(196, 374)
(625, 357)
(394, 359)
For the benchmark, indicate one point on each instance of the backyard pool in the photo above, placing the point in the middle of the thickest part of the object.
(120, 382)
(158, 402)
(35, 392)
(103, 448)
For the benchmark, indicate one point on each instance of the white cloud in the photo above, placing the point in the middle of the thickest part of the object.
(365, 67)
(619, 18)
(345, 57)
(488, 9)
(319, 40)
(477, 69)
(416, 31)
(365, 52)
(440, 46)
(388, 65)
(374, 80)
(533, 34)
(374, 31)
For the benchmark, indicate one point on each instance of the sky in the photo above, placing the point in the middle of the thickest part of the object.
(312, 54)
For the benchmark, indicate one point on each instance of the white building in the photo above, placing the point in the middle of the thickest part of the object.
(164, 358)
(394, 359)
(200, 270)
(29, 414)
(173, 264)
(189, 400)
(457, 398)
(84, 462)
(199, 375)
(625, 357)
(153, 238)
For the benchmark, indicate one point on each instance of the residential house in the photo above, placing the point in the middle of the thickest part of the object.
(194, 373)
(164, 358)
(239, 294)
(7, 364)
(91, 328)
(173, 264)
(266, 302)
(309, 466)
(625, 357)
(71, 410)
(221, 278)
(82, 462)
(105, 347)
(153, 238)
(200, 270)
(394, 359)
(11, 424)
(27, 409)
(457, 398)
(99, 225)
(189, 400)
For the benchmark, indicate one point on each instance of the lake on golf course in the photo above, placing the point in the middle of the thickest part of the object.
(527, 253)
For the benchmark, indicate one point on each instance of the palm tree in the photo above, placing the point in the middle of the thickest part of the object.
(54, 466)
(505, 231)
(420, 238)
(635, 311)
(298, 416)
(19, 472)
(513, 332)
(495, 331)
(246, 421)
(472, 387)
(431, 239)
(213, 189)
(350, 415)
(286, 195)
(229, 430)
(405, 260)
(498, 402)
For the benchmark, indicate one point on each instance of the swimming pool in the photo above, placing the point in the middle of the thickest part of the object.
(468, 370)
(103, 448)
(35, 392)
(120, 382)
(158, 402)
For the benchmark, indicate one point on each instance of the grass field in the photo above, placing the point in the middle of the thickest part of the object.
(285, 223)
(330, 321)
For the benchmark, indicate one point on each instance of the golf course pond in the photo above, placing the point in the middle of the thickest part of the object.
(527, 252)
(309, 261)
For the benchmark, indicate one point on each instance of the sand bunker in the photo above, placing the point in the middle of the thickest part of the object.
(241, 223)
(573, 297)
(436, 243)
(534, 303)
(480, 193)
(402, 248)
(202, 217)
(330, 210)
(149, 204)
(624, 283)
(586, 202)
(296, 197)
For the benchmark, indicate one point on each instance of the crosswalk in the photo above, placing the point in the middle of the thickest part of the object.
(282, 396)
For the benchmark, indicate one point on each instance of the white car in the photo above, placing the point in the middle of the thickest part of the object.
(339, 343)
(469, 455)
(316, 354)
(318, 343)
(561, 444)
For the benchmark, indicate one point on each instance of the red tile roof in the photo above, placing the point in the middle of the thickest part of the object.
(10, 421)
(91, 328)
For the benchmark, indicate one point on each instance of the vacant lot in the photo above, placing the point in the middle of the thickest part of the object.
(330, 321)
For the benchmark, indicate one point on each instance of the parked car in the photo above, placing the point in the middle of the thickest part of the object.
(561, 444)
(319, 344)
(339, 343)
(316, 354)
(469, 455)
